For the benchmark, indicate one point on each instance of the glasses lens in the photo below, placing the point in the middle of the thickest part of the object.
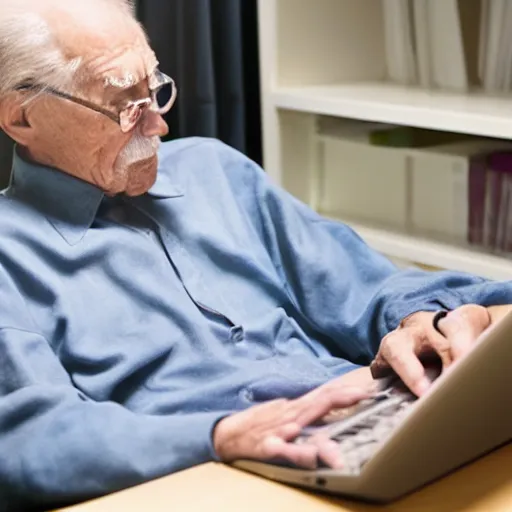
(165, 97)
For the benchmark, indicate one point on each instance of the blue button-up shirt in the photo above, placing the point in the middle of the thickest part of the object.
(130, 326)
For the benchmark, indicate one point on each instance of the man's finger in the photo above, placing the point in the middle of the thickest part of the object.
(303, 455)
(329, 452)
(436, 343)
(288, 431)
(318, 403)
(267, 417)
(462, 326)
(399, 352)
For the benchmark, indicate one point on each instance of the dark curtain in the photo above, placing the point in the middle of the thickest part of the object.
(6, 146)
(210, 48)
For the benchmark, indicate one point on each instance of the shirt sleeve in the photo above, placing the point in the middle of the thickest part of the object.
(59, 447)
(343, 288)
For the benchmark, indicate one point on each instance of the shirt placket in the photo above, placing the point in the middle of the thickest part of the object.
(192, 279)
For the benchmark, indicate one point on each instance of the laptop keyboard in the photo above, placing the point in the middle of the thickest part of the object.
(360, 430)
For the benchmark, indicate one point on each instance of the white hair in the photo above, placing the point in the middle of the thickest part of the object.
(28, 50)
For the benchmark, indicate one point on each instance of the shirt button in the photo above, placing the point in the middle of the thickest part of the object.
(247, 395)
(237, 334)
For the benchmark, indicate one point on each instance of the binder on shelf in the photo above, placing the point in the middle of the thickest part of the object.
(422, 42)
(495, 22)
(503, 225)
(399, 45)
(476, 198)
(498, 218)
(493, 184)
(507, 237)
(506, 49)
(483, 39)
(447, 45)
(470, 15)
(495, 59)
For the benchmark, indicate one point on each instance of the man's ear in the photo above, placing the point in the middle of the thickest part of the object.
(12, 119)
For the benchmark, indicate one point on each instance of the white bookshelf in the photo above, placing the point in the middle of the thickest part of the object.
(432, 253)
(477, 114)
(326, 58)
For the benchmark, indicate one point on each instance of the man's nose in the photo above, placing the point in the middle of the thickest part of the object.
(152, 124)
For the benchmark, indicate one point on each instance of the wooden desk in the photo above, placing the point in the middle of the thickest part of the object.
(484, 486)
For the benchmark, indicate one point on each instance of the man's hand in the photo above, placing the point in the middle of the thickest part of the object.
(265, 431)
(416, 341)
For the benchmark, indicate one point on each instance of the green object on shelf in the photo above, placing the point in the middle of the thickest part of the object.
(409, 137)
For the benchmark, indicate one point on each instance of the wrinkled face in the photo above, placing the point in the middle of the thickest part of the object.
(116, 68)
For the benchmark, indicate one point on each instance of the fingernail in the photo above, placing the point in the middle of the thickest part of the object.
(423, 386)
(333, 446)
(337, 463)
(337, 459)
(373, 388)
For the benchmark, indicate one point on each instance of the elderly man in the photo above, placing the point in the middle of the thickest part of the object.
(165, 306)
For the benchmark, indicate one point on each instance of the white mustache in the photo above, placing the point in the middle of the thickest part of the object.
(138, 149)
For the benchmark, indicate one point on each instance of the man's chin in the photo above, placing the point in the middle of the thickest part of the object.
(142, 176)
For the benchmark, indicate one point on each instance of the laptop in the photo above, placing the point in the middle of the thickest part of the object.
(396, 443)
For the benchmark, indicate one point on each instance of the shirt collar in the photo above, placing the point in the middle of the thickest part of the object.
(68, 203)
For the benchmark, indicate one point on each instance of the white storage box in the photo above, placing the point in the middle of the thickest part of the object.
(440, 187)
(363, 182)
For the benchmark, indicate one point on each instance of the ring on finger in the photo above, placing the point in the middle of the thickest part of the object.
(437, 318)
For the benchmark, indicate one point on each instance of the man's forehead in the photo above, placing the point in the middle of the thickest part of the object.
(112, 50)
(124, 68)
(113, 72)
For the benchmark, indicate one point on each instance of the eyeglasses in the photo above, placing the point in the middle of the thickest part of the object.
(163, 96)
